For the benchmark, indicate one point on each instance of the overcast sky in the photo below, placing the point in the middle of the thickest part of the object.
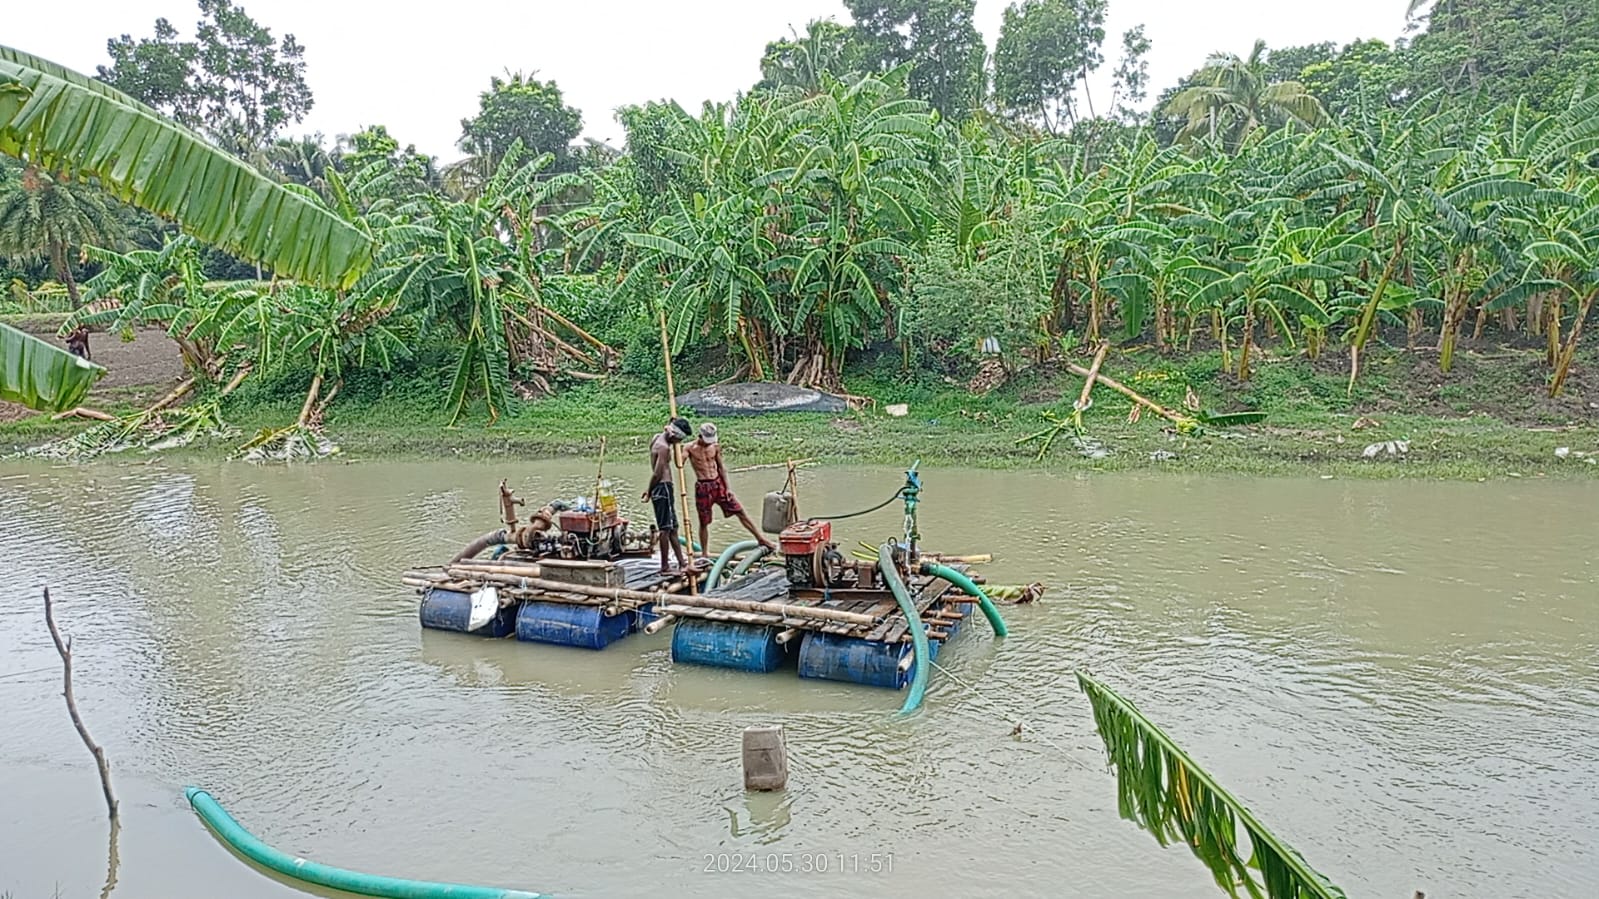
(420, 72)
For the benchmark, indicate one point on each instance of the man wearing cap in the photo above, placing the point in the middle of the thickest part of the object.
(711, 490)
(659, 492)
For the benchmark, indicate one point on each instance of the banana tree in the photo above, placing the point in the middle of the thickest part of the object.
(708, 262)
(1262, 281)
(73, 126)
(1562, 263)
(859, 182)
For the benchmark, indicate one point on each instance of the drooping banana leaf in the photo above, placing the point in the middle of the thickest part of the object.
(41, 376)
(64, 122)
(1160, 788)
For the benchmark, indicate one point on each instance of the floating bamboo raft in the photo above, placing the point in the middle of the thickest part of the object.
(751, 622)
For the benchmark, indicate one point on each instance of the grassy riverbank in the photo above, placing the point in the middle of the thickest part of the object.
(1488, 419)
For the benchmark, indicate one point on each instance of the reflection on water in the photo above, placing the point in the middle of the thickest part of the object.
(1398, 677)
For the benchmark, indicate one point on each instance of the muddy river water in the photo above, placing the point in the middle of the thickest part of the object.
(1402, 679)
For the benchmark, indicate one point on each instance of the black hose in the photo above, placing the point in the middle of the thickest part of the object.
(897, 494)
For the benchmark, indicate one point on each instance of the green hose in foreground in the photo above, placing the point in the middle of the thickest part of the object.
(723, 560)
(919, 645)
(970, 588)
(749, 561)
(325, 875)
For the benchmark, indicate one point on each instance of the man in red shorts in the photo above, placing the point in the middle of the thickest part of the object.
(711, 490)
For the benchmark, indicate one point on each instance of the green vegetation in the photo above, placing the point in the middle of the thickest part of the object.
(870, 217)
(1160, 787)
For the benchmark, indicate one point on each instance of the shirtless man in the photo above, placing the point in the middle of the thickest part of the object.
(659, 492)
(711, 490)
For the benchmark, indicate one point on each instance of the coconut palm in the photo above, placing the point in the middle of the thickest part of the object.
(1233, 98)
(43, 217)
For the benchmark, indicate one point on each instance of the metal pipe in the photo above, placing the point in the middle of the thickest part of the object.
(306, 871)
(965, 585)
(918, 631)
(492, 538)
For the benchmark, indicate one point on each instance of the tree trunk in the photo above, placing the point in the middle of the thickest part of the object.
(1449, 331)
(1569, 351)
(1552, 331)
(310, 400)
(58, 260)
(1061, 295)
(1248, 341)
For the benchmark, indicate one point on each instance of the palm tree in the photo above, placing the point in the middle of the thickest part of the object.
(300, 160)
(48, 218)
(1233, 98)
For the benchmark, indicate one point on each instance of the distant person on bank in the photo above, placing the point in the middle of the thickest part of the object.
(711, 489)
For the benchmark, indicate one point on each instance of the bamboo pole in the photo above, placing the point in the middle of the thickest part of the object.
(507, 570)
(677, 611)
(64, 649)
(1128, 392)
(585, 336)
(177, 393)
(599, 476)
(677, 448)
(552, 586)
(786, 635)
(797, 463)
(1085, 400)
(974, 559)
(310, 400)
(659, 624)
(549, 335)
(780, 609)
(83, 412)
(237, 379)
(570, 350)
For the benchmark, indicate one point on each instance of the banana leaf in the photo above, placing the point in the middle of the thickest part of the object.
(1160, 788)
(70, 124)
(41, 376)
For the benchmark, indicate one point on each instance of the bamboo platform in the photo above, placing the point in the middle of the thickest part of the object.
(755, 622)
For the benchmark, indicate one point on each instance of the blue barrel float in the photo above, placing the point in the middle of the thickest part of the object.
(451, 610)
(565, 624)
(857, 661)
(726, 644)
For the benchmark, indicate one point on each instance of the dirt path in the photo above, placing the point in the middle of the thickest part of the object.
(142, 368)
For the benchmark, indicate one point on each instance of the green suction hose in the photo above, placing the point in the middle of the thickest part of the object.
(326, 875)
(722, 561)
(919, 645)
(969, 587)
(749, 561)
